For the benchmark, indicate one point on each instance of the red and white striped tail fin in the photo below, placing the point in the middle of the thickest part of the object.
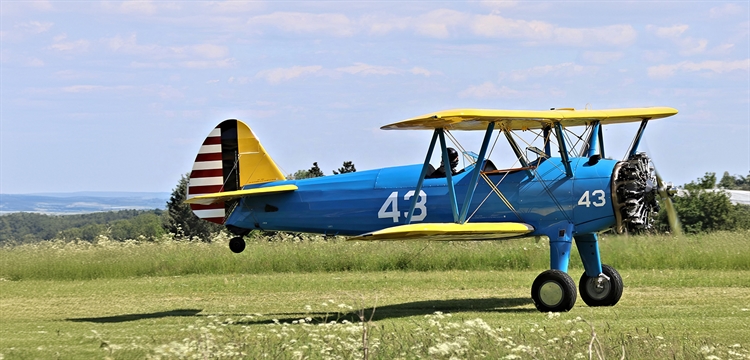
(230, 158)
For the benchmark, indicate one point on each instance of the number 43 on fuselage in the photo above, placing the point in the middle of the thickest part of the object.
(570, 193)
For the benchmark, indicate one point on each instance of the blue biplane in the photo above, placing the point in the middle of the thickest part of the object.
(570, 193)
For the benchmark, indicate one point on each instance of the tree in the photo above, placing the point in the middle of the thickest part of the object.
(306, 174)
(298, 175)
(736, 182)
(179, 218)
(348, 167)
(708, 181)
(702, 209)
(315, 171)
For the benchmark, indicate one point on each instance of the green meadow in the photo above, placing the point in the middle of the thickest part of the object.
(685, 298)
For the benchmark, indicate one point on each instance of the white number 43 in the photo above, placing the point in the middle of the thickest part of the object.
(599, 196)
(392, 203)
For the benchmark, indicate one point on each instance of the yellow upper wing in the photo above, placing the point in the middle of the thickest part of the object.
(449, 231)
(477, 119)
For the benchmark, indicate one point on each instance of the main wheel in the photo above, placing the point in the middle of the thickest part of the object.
(237, 244)
(553, 290)
(596, 291)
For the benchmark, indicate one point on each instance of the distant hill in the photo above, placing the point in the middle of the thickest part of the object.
(82, 202)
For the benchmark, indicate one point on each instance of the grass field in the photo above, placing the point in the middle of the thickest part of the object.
(684, 298)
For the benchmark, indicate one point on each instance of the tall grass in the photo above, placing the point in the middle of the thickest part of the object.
(104, 258)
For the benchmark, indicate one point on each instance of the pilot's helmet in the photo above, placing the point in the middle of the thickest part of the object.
(453, 156)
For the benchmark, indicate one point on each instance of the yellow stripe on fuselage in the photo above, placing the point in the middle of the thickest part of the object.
(449, 231)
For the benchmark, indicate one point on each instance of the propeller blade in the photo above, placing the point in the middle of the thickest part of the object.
(674, 223)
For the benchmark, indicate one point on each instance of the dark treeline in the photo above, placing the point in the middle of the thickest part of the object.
(118, 225)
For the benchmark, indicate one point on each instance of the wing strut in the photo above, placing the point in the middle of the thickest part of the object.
(475, 174)
(426, 166)
(601, 141)
(563, 149)
(592, 145)
(638, 136)
(448, 174)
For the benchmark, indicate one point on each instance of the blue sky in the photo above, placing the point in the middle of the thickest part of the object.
(118, 96)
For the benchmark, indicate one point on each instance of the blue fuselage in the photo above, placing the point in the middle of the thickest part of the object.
(366, 201)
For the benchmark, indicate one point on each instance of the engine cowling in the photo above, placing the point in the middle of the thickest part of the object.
(634, 194)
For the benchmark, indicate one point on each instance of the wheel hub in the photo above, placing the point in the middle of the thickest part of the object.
(551, 293)
(599, 287)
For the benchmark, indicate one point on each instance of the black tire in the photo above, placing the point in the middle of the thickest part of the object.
(237, 244)
(554, 290)
(608, 294)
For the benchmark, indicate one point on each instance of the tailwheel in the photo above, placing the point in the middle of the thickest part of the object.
(553, 290)
(237, 244)
(603, 290)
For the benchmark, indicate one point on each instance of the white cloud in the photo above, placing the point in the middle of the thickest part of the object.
(277, 75)
(34, 27)
(365, 69)
(537, 32)
(140, 7)
(69, 46)
(144, 7)
(567, 69)
(208, 51)
(422, 71)
(130, 45)
(34, 62)
(381, 25)
(239, 80)
(23, 30)
(303, 23)
(165, 92)
(688, 45)
(601, 57)
(199, 56)
(444, 23)
(709, 66)
(208, 64)
(43, 5)
(497, 5)
(670, 32)
(438, 23)
(726, 10)
(234, 7)
(147, 65)
(489, 90)
(90, 88)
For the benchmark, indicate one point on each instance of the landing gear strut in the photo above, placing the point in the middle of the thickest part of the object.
(553, 290)
(237, 244)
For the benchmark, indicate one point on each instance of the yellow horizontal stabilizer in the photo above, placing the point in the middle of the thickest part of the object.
(477, 119)
(449, 231)
(208, 199)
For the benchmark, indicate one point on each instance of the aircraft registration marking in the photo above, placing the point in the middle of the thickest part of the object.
(392, 203)
(585, 199)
